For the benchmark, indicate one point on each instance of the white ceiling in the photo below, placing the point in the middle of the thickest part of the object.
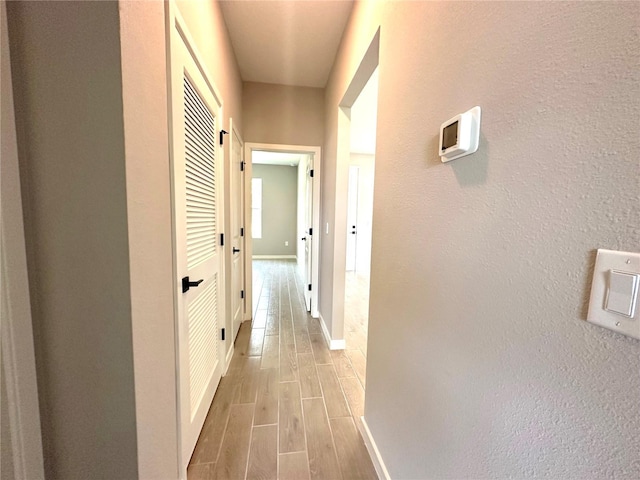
(292, 42)
(277, 158)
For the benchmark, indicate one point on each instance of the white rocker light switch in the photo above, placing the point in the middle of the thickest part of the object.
(622, 293)
(614, 292)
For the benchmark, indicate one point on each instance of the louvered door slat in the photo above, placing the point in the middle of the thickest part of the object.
(203, 345)
(195, 103)
(198, 146)
(200, 177)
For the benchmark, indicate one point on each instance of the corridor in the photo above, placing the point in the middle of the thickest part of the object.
(288, 406)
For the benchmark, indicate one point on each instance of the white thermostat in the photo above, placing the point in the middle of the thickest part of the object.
(460, 135)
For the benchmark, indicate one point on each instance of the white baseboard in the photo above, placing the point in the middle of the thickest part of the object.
(332, 344)
(372, 448)
(228, 359)
(274, 257)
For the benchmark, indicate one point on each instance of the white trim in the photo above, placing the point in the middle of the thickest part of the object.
(372, 448)
(228, 359)
(332, 344)
(274, 257)
(228, 160)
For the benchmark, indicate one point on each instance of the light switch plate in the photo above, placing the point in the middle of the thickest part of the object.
(618, 262)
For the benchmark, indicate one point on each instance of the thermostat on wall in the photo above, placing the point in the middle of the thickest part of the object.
(460, 135)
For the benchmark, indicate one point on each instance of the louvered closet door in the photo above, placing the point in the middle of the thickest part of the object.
(197, 195)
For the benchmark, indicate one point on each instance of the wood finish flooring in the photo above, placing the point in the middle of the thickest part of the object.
(356, 319)
(287, 408)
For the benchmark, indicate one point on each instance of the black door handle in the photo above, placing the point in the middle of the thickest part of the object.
(186, 284)
(304, 239)
(235, 250)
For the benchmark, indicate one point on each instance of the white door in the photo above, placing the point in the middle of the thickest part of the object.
(198, 254)
(352, 218)
(308, 244)
(237, 232)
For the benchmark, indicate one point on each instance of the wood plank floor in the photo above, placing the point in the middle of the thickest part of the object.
(288, 407)
(356, 312)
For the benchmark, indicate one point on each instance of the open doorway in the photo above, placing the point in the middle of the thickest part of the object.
(283, 211)
(359, 206)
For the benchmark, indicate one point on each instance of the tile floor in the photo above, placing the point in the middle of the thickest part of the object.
(288, 407)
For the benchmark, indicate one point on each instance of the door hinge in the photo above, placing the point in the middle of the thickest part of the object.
(223, 334)
(311, 173)
(242, 231)
(242, 166)
(222, 134)
(311, 231)
(309, 287)
(222, 239)
(241, 293)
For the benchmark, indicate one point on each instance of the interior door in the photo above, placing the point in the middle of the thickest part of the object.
(197, 207)
(308, 244)
(352, 218)
(237, 232)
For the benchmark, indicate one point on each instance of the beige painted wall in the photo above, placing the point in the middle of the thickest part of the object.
(279, 209)
(480, 362)
(283, 114)
(68, 97)
(94, 157)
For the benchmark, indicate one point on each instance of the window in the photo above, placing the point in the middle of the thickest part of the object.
(256, 208)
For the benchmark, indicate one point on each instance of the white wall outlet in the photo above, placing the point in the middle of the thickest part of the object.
(286, 243)
(614, 292)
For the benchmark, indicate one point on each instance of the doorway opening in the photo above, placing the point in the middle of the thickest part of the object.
(283, 203)
(360, 192)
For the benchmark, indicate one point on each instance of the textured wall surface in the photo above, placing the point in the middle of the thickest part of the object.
(68, 97)
(283, 114)
(480, 361)
(279, 209)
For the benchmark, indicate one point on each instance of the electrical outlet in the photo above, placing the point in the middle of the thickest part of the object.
(286, 243)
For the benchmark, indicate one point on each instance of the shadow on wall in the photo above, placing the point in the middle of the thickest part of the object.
(587, 280)
(470, 170)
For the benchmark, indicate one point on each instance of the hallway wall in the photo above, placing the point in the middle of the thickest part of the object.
(69, 112)
(93, 142)
(480, 362)
(283, 114)
(279, 209)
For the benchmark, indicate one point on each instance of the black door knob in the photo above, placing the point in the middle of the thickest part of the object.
(235, 250)
(186, 284)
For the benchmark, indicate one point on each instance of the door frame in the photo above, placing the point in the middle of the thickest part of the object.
(17, 361)
(316, 151)
(246, 313)
(177, 31)
(369, 63)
